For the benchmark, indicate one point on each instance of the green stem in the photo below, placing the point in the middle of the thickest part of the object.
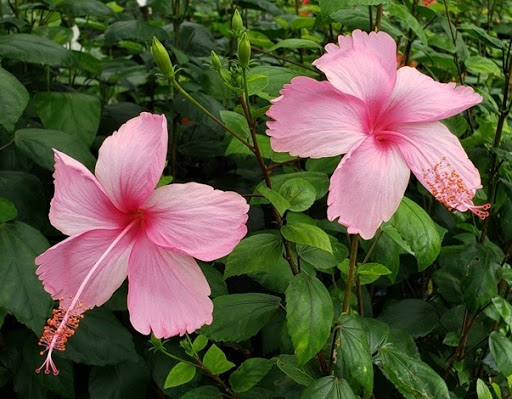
(210, 115)
(378, 19)
(177, 358)
(351, 273)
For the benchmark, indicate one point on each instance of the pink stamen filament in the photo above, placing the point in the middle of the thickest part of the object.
(71, 317)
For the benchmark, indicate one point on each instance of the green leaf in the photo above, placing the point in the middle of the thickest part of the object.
(67, 111)
(480, 34)
(414, 316)
(127, 380)
(482, 391)
(319, 180)
(354, 352)
(277, 77)
(21, 293)
(309, 312)
(238, 317)
(236, 122)
(256, 83)
(25, 191)
(100, 340)
(275, 278)
(504, 308)
(300, 193)
(413, 378)
(38, 144)
(328, 388)
(199, 343)
(215, 280)
(295, 44)
(307, 234)
(83, 8)
(7, 210)
(412, 225)
(137, 31)
(402, 13)
(479, 64)
(13, 97)
(303, 375)
(249, 374)
(370, 272)
(501, 350)
(215, 361)
(277, 200)
(179, 375)
(320, 259)
(204, 392)
(238, 148)
(258, 252)
(35, 49)
(348, 3)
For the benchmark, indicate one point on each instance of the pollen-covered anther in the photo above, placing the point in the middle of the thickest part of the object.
(58, 330)
(447, 186)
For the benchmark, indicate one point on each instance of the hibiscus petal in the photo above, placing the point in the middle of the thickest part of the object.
(131, 161)
(418, 98)
(363, 65)
(195, 219)
(63, 267)
(79, 203)
(313, 119)
(167, 292)
(367, 187)
(437, 159)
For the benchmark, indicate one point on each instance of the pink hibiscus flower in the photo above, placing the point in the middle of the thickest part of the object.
(120, 226)
(387, 123)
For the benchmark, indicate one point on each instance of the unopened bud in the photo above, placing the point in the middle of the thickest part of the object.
(244, 51)
(237, 25)
(216, 61)
(162, 59)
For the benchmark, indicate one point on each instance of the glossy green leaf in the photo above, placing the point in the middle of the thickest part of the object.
(204, 392)
(401, 12)
(238, 317)
(21, 292)
(13, 97)
(249, 374)
(501, 350)
(300, 193)
(301, 374)
(127, 380)
(83, 8)
(482, 391)
(307, 234)
(370, 272)
(137, 31)
(478, 65)
(34, 49)
(320, 259)
(309, 312)
(328, 388)
(277, 200)
(354, 352)
(415, 316)
(413, 378)
(38, 144)
(504, 308)
(236, 122)
(215, 360)
(412, 225)
(295, 44)
(258, 252)
(7, 210)
(66, 111)
(179, 375)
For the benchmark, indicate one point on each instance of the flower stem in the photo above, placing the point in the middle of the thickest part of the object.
(210, 115)
(351, 273)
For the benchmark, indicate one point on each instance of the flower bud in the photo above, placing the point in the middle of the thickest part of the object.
(237, 25)
(216, 61)
(244, 51)
(162, 59)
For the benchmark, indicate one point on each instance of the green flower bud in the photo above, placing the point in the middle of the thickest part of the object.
(216, 61)
(244, 51)
(162, 59)
(237, 25)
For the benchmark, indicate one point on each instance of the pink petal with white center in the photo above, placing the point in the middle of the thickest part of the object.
(367, 187)
(79, 203)
(313, 119)
(63, 267)
(437, 159)
(131, 161)
(364, 66)
(167, 292)
(196, 220)
(418, 98)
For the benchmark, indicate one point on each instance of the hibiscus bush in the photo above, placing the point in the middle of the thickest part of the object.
(255, 199)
